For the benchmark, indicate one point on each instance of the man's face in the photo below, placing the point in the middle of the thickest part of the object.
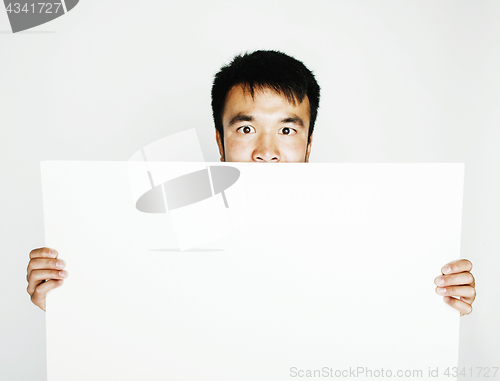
(265, 128)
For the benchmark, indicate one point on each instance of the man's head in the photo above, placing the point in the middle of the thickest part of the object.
(264, 107)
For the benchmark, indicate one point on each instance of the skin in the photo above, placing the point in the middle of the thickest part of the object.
(265, 128)
(45, 272)
(457, 285)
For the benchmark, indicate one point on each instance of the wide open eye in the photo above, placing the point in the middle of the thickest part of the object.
(246, 129)
(287, 131)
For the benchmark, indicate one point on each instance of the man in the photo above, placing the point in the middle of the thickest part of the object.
(264, 107)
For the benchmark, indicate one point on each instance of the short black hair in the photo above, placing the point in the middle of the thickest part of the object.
(266, 69)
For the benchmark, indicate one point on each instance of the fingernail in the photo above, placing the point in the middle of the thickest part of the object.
(441, 290)
(446, 270)
(63, 273)
(60, 264)
(440, 281)
(52, 254)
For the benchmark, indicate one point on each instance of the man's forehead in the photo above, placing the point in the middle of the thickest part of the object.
(242, 105)
(254, 90)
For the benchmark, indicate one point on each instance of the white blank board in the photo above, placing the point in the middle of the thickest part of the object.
(329, 267)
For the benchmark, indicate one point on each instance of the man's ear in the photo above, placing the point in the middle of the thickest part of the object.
(219, 144)
(308, 151)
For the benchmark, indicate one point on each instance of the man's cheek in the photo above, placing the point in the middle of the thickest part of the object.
(236, 151)
(296, 150)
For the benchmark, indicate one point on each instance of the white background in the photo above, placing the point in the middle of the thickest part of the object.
(413, 81)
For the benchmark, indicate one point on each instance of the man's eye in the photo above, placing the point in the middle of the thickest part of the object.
(246, 129)
(287, 131)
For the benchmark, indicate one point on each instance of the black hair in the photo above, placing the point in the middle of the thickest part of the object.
(266, 69)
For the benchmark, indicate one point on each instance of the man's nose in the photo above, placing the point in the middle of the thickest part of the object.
(266, 150)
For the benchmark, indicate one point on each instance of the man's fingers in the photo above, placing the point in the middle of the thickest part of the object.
(458, 266)
(457, 285)
(39, 294)
(459, 305)
(465, 278)
(44, 273)
(38, 276)
(465, 291)
(43, 252)
(468, 300)
(45, 263)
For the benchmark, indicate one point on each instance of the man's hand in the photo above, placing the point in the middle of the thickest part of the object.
(457, 285)
(45, 272)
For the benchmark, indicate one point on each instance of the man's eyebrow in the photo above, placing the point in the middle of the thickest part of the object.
(241, 118)
(293, 119)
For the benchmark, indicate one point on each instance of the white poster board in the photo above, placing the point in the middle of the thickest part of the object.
(326, 270)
